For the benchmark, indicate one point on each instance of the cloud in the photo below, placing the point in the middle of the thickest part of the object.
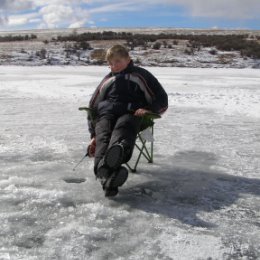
(17, 20)
(50, 13)
(15, 5)
(229, 9)
(42, 3)
(221, 9)
(8, 7)
(73, 13)
(3, 20)
(55, 14)
(77, 24)
(63, 15)
(115, 8)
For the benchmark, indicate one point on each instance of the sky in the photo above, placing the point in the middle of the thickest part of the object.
(197, 14)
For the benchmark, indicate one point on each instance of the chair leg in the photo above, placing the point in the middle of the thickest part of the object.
(147, 154)
(152, 146)
(143, 151)
(133, 170)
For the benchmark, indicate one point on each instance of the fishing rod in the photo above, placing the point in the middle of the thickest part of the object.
(81, 160)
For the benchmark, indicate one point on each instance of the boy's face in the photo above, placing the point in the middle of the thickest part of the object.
(117, 64)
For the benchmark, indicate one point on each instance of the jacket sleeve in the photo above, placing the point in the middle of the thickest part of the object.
(159, 97)
(93, 106)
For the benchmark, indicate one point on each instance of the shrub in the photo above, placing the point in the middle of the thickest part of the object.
(165, 44)
(42, 53)
(188, 51)
(98, 55)
(213, 52)
(157, 46)
(11, 38)
(132, 43)
(84, 45)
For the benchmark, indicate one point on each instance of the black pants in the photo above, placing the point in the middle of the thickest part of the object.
(111, 130)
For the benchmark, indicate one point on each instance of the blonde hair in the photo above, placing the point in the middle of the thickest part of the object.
(117, 51)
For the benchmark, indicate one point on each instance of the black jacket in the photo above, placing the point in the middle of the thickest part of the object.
(125, 92)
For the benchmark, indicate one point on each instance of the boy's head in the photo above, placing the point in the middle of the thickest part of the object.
(118, 58)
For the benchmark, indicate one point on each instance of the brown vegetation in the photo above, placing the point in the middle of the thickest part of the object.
(249, 48)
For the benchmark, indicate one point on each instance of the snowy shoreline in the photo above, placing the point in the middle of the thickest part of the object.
(150, 58)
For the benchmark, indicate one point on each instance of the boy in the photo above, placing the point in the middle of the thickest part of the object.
(125, 95)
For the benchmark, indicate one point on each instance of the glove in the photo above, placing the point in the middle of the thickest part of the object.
(92, 147)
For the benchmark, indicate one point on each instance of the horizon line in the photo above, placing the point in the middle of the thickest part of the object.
(132, 28)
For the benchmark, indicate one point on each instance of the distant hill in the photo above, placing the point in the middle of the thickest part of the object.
(148, 47)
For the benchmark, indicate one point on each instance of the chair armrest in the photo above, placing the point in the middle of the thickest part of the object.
(152, 116)
(148, 120)
(85, 109)
(91, 112)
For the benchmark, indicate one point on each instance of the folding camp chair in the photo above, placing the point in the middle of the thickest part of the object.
(144, 142)
(144, 137)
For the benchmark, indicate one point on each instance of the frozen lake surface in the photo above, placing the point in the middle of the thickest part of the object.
(199, 200)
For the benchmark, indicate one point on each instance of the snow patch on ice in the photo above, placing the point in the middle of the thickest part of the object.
(198, 200)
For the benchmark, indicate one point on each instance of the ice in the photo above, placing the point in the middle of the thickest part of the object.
(198, 200)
